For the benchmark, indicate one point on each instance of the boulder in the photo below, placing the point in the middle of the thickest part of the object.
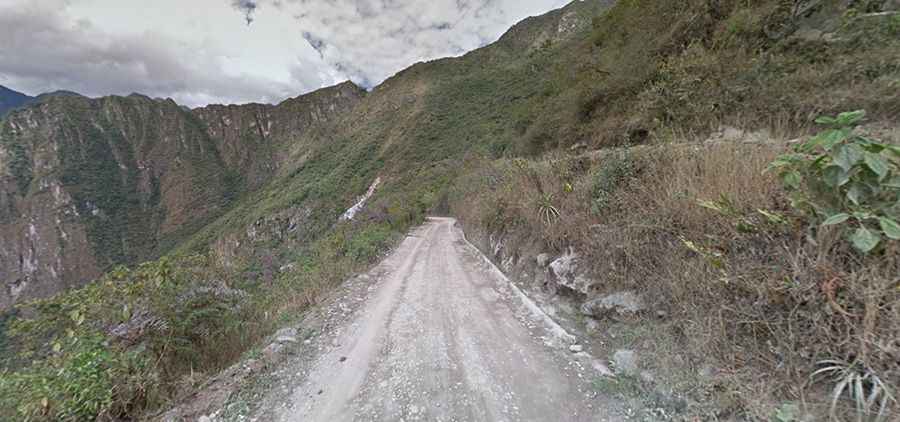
(565, 272)
(286, 335)
(622, 303)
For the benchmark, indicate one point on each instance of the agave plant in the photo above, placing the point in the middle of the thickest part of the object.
(546, 210)
(860, 384)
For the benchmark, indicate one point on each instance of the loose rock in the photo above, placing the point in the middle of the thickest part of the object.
(622, 303)
(626, 362)
(272, 351)
(286, 335)
(601, 368)
(543, 260)
(565, 272)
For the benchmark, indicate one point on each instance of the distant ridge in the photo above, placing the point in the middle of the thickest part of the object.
(10, 99)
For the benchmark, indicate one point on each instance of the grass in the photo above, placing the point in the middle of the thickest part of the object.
(762, 303)
(485, 137)
(620, 386)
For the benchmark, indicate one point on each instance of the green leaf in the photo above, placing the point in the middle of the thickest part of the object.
(862, 216)
(830, 138)
(857, 192)
(848, 155)
(835, 176)
(792, 179)
(836, 219)
(850, 118)
(890, 228)
(826, 120)
(773, 217)
(786, 160)
(878, 165)
(894, 182)
(865, 240)
(865, 142)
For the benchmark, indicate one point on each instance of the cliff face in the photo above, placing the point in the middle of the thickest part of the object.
(86, 184)
(258, 139)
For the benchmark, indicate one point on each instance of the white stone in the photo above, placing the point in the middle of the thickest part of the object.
(565, 271)
(601, 368)
(543, 259)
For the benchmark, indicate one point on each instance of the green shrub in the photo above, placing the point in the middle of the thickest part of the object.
(84, 379)
(841, 178)
(365, 245)
(615, 171)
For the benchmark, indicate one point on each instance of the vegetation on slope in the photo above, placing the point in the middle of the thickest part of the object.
(752, 285)
(647, 71)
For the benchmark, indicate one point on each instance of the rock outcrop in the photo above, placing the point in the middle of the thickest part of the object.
(86, 184)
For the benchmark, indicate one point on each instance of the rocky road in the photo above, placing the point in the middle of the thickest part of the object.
(442, 335)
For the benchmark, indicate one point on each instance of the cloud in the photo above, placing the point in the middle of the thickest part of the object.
(43, 50)
(247, 7)
(369, 40)
(201, 52)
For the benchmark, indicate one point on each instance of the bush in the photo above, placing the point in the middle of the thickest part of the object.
(614, 172)
(85, 379)
(365, 245)
(839, 178)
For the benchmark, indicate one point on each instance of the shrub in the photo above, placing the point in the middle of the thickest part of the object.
(85, 379)
(614, 172)
(365, 246)
(841, 178)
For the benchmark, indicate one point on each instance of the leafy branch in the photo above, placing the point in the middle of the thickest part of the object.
(840, 178)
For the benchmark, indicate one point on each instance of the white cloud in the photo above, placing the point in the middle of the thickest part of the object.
(206, 51)
(369, 40)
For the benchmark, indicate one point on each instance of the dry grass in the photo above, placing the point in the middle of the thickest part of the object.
(751, 296)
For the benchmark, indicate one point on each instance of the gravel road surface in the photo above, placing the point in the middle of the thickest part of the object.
(443, 336)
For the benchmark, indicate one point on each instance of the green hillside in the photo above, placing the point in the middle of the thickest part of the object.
(497, 138)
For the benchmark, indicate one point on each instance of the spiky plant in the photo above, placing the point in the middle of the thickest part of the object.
(860, 383)
(547, 212)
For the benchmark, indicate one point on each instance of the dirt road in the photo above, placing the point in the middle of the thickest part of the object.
(442, 336)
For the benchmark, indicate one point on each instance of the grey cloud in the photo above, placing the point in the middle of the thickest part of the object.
(42, 50)
(247, 7)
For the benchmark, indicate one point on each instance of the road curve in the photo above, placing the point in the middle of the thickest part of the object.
(444, 338)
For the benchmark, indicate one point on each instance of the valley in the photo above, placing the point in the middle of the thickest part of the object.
(638, 170)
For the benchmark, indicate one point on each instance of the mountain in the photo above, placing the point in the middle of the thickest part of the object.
(10, 99)
(92, 183)
(245, 205)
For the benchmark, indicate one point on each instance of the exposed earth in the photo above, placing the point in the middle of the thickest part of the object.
(440, 335)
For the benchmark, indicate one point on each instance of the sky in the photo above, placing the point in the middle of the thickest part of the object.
(199, 52)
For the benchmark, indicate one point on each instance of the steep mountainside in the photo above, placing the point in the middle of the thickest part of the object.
(245, 203)
(261, 139)
(10, 99)
(88, 184)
